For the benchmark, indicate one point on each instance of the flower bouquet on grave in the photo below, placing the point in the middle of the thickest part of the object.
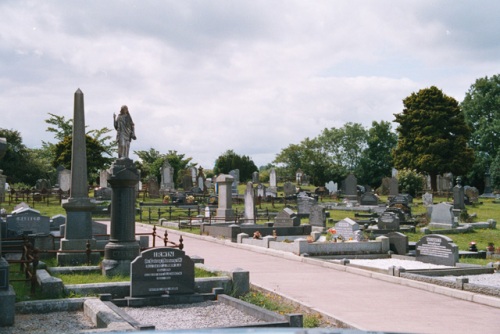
(331, 234)
(190, 199)
(166, 199)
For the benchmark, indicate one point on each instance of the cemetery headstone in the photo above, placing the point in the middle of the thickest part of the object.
(289, 189)
(437, 249)
(261, 190)
(273, 182)
(286, 218)
(201, 179)
(472, 193)
(235, 173)
(304, 204)
(255, 177)
(458, 196)
(317, 216)
(298, 176)
(351, 191)
(346, 228)
(56, 222)
(487, 185)
(368, 198)
(250, 209)
(388, 221)
(153, 188)
(187, 182)
(161, 271)
(102, 194)
(427, 199)
(167, 177)
(103, 178)
(442, 216)
(332, 187)
(393, 187)
(398, 243)
(28, 221)
(225, 200)
(64, 179)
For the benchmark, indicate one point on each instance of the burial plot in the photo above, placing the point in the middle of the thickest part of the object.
(286, 218)
(388, 221)
(161, 271)
(346, 228)
(437, 249)
(350, 187)
(472, 193)
(317, 216)
(369, 198)
(289, 189)
(393, 187)
(304, 204)
(398, 243)
(28, 221)
(153, 188)
(56, 222)
(427, 199)
(187, 182)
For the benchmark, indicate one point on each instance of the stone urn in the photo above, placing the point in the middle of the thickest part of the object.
(3, 147)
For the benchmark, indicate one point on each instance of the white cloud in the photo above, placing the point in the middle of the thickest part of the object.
(253, 76)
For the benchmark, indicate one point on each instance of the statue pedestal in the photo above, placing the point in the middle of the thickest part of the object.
(122, 248)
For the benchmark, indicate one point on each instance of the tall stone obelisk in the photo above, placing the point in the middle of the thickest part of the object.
(7, 294)
(78, 230)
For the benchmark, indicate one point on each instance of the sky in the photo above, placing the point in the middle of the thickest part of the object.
(203, 77)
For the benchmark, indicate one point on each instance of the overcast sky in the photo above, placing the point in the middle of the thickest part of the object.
(202, 77)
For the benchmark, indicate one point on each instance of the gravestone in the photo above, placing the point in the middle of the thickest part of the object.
(208, 184)
(350, 187)
(286, 218)
(368, 198)
(304, 204)
(458, 195)
(298, 176)
(273, 182)
(427, 199)
(487, 193)
(103, 178)
(289, 189)
(103, 194)
(42, 184)
(255, 177)
(346, 228)
(261, 190)
(388, 221)
(437, 249)
(153, 188)
(332, 187)
(399, 210)
(250, 209)
(56, 222)
(393, 187)
(442, 216)
(193, 172)
(187, 182)
(317, 216)
(167, 178)
(472, 193)
(161, 271)
(28, 221)
(64, 179)
(235, 173)
(398, 243)
(225, 200)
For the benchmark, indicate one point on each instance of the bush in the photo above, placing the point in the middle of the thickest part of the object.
(410, 181)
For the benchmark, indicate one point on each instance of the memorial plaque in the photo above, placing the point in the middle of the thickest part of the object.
(437, 249)
(161, 271)
(388, 221)
(346, 228)
(28, 221)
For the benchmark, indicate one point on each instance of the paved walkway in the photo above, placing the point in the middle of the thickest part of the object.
(362, 299)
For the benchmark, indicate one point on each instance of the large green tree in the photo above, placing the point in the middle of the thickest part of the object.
(230, 160)
(481, 107)
(376, 160)
(433, 135)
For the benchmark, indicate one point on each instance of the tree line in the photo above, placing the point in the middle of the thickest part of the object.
(434, 134)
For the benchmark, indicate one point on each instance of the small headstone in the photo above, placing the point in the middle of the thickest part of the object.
(398, 243)
(187, 182)
(255, 177)
(261, 190)
(393, 187)
(250, 209)
(442, 216)
(64, 179)
(350, 185)
(458, 196)
(56, 222)
(153, 188)
(472, 193)
(103, 178)
(103, 194)
(317, 216)
(346, 228)
(235, 173)
(286, 218)
(427, 199)
(289, 189)
(273, 182)
(437, 249)
(304, 204)
(167, 177)
(332, 187)
(160, 271)
(368, 198)
(388, 221)
(28, 221)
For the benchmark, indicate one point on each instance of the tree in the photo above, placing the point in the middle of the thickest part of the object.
(433, 135)
(376, 160)
(229, 161)
(481, 107)
(96, 160)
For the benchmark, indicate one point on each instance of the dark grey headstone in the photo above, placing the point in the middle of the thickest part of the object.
(304, 204)
(368, 198)
(28, 221)
(458, 197)
(161, 271)
(187, 182)
(442, 216)
(153, 188)
(56, 221)
(393, 187)
(317, 217)
(346, 228)
(388, 221)
(437, 249)
(255, 177)
(286, 218)
(289, 189)
(351, 185)
(398, 243)
(102, 194)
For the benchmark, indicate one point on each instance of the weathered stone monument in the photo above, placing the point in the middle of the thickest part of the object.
(225, 210)
(122, 248)
(442, 216)
(487, 193)
(250, 209)
(437, 249)
(427, 199)
(393, 187)
(350, 187)
(317, 216)
(235, 173)
(289, 189)
(64, 179)
(458, 195)
(201, 180)
(167, 178)
(304, 204)
(255, 177)
(273, 182)
(286, 218)
(78, 230)
(369, 199)
(7, 294)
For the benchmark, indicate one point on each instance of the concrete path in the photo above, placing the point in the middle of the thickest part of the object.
(362, 299)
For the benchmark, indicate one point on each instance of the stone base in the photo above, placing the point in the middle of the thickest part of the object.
(224, 214)
(8, 306)
(118, 256)
(443, 226)
(77, 258)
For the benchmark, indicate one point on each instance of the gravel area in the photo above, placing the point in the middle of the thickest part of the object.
(386, 263)
(190, 316)
(56, 322)
(491, 280)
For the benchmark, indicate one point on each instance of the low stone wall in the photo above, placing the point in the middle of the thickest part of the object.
(302, 246)
(231, 231)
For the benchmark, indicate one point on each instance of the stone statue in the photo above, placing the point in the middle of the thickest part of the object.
(125, 131)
